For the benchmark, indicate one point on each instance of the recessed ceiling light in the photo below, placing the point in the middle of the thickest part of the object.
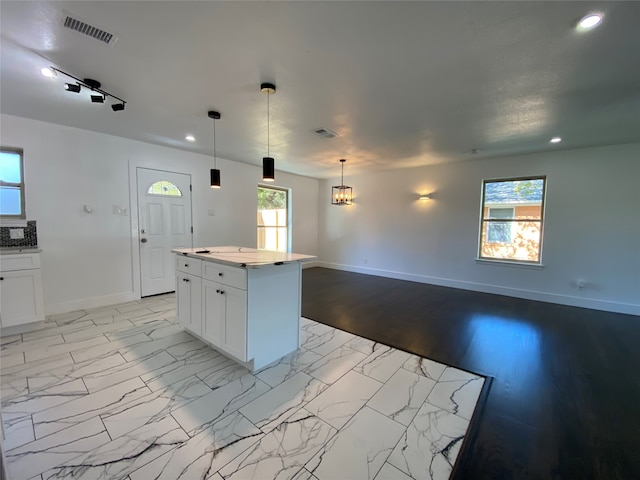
(190, 138)
(555, 140)
(590, 21)
(47, 72)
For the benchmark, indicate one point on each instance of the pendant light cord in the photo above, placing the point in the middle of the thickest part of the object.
(214, 145)
(268, 122)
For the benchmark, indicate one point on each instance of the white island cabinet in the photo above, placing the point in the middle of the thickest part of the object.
(245, 302)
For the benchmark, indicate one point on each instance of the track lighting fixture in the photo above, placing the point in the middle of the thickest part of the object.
(215, 173)
(268, 163)
(98, 95)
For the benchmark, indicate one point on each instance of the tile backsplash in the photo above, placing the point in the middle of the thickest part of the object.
(29, 234)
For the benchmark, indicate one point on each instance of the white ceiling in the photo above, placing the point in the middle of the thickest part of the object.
(401, 83)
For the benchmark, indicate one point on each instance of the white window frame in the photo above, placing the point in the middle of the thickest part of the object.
(513, 212)
(488, 221)
(23, 214)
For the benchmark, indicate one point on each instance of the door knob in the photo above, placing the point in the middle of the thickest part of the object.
(143, 240)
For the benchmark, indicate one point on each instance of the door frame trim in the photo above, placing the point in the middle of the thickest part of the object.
(135, 225)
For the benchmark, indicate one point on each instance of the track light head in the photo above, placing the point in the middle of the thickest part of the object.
(117, 107)
(72, 87)
(97, 98)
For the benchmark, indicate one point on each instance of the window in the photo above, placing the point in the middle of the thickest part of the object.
(11, 183)
(511, 219)
(500, 232)
(165, 189)
(273, 219)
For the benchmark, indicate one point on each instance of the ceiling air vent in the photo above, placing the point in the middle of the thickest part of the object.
(325, 132)
(89, 30)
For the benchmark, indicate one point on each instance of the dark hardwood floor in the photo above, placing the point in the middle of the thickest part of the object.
(565, 400)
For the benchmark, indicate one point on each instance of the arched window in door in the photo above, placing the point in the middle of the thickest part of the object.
(165, 189)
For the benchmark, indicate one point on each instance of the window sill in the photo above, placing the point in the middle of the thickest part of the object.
(506, 263)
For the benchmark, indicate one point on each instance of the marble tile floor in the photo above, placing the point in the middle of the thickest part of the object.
(121, 392)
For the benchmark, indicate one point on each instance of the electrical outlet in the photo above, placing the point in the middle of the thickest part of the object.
(580, 284)
(16, 233)
(117, 210)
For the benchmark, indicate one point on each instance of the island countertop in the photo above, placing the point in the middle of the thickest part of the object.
(243, 256)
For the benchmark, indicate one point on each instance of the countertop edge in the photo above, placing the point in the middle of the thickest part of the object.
(209, 257)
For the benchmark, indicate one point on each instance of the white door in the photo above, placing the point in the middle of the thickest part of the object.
(164, 220)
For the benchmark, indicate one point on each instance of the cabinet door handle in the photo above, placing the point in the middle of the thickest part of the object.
(221, 292)
(220, 274)
(186, 265)
(1, 278)
(185, 279)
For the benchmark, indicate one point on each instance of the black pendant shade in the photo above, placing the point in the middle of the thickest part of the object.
(215, 178)
(268, 169)
(215, 173)
(268, 163)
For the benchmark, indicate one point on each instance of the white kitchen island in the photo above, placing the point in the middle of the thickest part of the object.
(245, 302)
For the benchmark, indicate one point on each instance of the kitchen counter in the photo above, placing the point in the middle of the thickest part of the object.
(243, 256)
(244, 302)
(16, 250)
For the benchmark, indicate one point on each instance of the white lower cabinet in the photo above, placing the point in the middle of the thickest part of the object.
(21, 299)
(189, 304)
(224, 318)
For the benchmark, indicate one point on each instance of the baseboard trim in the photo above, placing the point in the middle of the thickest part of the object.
(311, 264)
(92, 302)
(617, 307)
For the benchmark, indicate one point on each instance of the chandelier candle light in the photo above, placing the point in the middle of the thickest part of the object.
(342, 194)
(268, 163)
(215, 173)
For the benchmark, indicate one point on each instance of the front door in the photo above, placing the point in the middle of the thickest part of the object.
(164, 220)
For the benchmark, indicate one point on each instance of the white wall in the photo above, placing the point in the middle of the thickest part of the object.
(89, 259)
(592, 227)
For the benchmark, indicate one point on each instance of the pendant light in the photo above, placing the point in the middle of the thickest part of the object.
(215, 173)
(342, 194)
(268, 163)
